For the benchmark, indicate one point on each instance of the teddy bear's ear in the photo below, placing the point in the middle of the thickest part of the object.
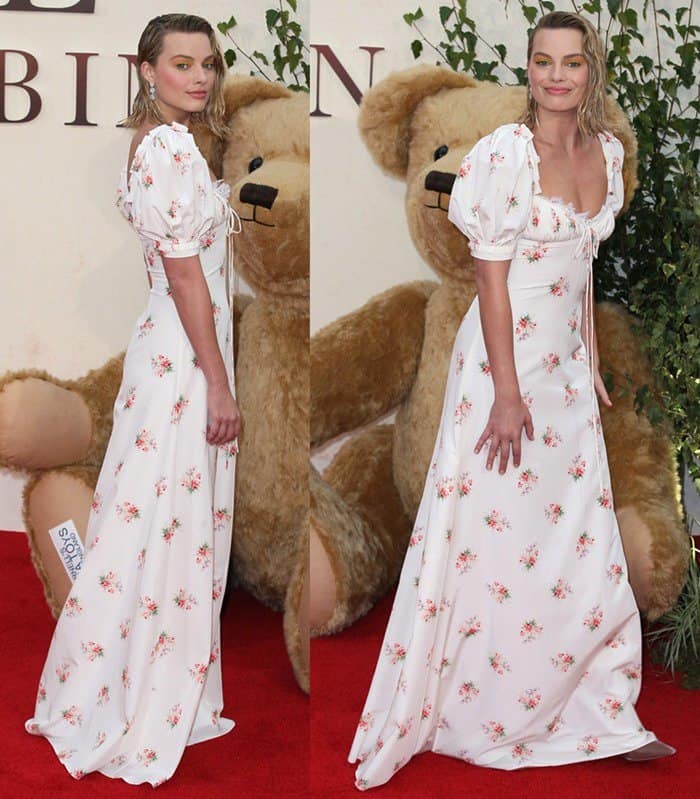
(241, 90)
(620, 126)
(387, 109)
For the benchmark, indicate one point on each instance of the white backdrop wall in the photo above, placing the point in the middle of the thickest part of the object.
(73, 279)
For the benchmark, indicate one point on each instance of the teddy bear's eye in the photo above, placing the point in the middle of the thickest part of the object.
(256, 163)
(441, 151)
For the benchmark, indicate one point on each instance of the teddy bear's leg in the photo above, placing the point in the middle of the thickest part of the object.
(359, 531)
(644, 478)
(296, 611)
(51, 498)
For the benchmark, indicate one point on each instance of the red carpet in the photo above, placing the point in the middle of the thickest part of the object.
(265, 756)
(342, 668)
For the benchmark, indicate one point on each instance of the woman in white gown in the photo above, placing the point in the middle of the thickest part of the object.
(133, 673)
(514, 638)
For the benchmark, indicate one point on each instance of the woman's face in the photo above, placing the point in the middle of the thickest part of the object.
(557, 70)
(184, 74)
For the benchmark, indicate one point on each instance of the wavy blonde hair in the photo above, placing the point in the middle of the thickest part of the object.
(591, 113)
(151, 46)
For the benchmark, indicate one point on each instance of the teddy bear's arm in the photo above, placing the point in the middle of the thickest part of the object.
(364, 363)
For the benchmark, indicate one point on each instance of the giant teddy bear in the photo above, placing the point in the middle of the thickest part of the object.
(57, 430)
(418, 124)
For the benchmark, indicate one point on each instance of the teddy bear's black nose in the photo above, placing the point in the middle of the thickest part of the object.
(439, 181)
(257, 194)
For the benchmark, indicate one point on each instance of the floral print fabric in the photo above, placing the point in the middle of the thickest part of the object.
(133, 672)
(514, 638)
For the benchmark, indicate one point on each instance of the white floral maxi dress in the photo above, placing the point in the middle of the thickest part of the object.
(133, 673)
(514, 638)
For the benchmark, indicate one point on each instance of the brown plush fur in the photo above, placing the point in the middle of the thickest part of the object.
(271, 335)
(404, 120)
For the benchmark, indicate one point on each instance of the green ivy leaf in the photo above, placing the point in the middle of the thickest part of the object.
(416, 47)
(445, 13)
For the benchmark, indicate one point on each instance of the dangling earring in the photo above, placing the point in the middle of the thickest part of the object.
(529, 92)
(152, 91)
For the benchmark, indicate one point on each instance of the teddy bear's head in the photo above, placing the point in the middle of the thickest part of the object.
(265, 160)
(419, 123)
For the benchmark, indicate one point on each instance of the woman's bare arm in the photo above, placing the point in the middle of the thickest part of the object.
(192, 300)
(508, 414)
(598, 383)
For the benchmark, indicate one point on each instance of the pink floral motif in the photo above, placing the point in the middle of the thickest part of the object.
(460, 362)
(553, 512)
(73, 715)
(584, 543)
(169, 531)
(535, 215)
(530, 698)
(616, 640)
(92, 650)
(529, 556)
(429, 609)
(229, 450)
(416, 537)
(605, 499)
(525, 327)
(485, 367)
(63, 672)
(535, 254)
(145, 441)
(495, 160)
(561, 589)
(149, 607)
(594, 618)
(633, 672)
(426, 710)
(73, 607)
(498, 663)
(573, 321)
(96, 505)
(611, 707)
(563, 661)
(577, 468)
(130, 398)
(145, 327)
(175, 205)
(560, 287)
(614, 573)
(470, 627)
(497, 521)
(124, 627)
(147, 756)
(494, 730)
(498, 591)
(395, 652)
(184, 600)
(556, 221)
(551, 362)
(465, 168)
(100, 738)
(161, 365)
(103, 695)
(550, 437)
(191, 480)
(529, 630)
(222, 518)
(468, 691)
(163, 645)
(462, 410)
(206, 240)
(555, 724)
(203, 555)
(126, 678)
(527, 399)
(128, 511)
(118, 468)
(444, 487)
(174, 715)
(521, 752)
(198, 672)
(588, 744)
(403, 727)
(465, 560)
(366, 721)
(110, 583)
(464, 485)
(178, 408)
(527, 480)
(217, 588)
(182, 160)
(570, 394)
(160, 486)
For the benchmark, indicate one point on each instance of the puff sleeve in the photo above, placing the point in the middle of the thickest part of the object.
(492, 193)
(171, 194)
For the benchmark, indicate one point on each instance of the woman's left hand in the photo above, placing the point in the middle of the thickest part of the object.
(601, 391)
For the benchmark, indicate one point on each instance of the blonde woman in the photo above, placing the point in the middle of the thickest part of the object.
(514, 638)
(133, 673)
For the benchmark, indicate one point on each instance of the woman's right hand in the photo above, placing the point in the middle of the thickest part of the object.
(504, 427)
(224, 417)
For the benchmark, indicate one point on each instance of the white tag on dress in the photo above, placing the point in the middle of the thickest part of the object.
(69, 547)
